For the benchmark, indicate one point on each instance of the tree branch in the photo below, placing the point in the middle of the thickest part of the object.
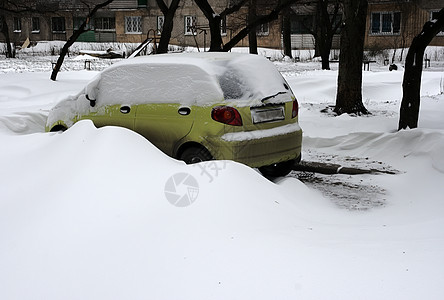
(273, 15)
(74, 37)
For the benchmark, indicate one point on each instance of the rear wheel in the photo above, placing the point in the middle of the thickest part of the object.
(277, 170)
(195, 154)
(58, 128)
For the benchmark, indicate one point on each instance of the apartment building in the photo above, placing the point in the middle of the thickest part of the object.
(391, 23)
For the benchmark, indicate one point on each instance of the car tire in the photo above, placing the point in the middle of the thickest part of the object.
(195, 154)
(58, 128)
(277, 170)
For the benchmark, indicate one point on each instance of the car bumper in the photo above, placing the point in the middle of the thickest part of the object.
(260, 147)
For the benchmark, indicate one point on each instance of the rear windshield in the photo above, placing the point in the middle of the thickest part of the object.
(247, 81)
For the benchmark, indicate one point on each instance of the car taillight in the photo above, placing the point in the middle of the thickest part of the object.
(227, 115)
(295, 110)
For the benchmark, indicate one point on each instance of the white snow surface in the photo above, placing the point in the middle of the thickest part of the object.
(84, 213)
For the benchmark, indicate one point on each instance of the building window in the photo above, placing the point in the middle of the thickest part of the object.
(17, 27)
(262, 29)
(58, 24)
(105, 24)
(160, 21)
(133, 24)
(142, 3)
(386, 23)
(434, 16)
(35, 25)
(190, 25)
(223, 26)
(78, 21)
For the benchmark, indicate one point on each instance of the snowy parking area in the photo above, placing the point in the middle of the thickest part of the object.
(88, 213)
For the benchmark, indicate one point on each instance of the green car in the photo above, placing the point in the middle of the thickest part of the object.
(196, 107)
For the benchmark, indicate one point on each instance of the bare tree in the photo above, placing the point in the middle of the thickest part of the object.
(326, 25)
(168, 13)
(214, 21)
(286, 32)
(13, 7)
(267, 18)
(75, 36)
(5, 30)
(411, 85)
(349, 93)
(252, 36)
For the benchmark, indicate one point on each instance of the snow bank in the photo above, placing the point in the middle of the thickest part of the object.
(108, 199)
(99, 225)
(86, 214)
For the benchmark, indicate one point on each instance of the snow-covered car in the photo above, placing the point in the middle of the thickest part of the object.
(195, 107)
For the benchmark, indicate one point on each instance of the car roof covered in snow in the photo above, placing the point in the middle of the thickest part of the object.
(188, 78)
(204, 60)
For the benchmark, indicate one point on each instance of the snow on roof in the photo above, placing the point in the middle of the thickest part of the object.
(188, 78)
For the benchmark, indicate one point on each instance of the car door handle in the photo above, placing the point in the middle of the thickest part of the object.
(184, 111)
(125, 109)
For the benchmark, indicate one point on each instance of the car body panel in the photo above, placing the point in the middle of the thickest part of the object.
(113, 115)
(162, 124)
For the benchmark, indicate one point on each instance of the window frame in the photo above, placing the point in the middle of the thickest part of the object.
(160, 22)
(78, 21)
(62, 21)
(17, 25)
(35, 24)
(142, 3)
(378, 25)
(137, 26)
(188, 28)
(223, 26)
(263, 29)
(101, 21)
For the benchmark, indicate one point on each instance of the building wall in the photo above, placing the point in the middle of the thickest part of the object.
(413, 17)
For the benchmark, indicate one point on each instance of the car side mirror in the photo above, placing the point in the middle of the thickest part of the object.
(92, 102)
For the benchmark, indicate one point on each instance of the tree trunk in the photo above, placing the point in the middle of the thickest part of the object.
(5, 31)
(286, 33)
(167, 24)
(317, 31)
(349, 93)
(326, 27)
(214, 24)
(411, 85)
(74, 37)
(325, 56)
(252, 38)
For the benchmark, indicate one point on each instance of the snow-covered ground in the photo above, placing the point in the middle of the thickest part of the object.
(87, 214)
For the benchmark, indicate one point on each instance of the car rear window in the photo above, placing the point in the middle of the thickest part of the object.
(249, 81)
